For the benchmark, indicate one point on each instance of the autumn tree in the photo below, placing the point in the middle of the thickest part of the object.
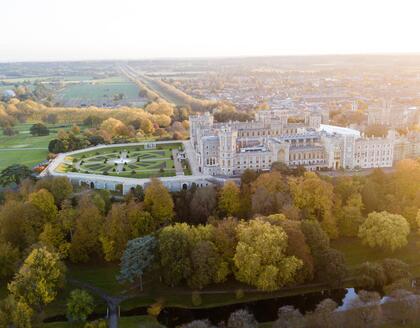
(89, 222)
(314, 197)
(39, 278)
(44, 202)
(158, 201)
(365, 309)
(203, 204)
(384, 230)
(229, 200)
(260, 258)
(351, 216)
(15, 313)
(9, 258)
(60, 187)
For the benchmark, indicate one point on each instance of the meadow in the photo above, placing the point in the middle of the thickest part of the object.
(24, 148)
(100, 93)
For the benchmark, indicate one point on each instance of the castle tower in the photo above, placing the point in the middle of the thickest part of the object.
(227, 150)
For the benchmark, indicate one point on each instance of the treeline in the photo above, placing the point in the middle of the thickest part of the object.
(157, 120)
(365, 310)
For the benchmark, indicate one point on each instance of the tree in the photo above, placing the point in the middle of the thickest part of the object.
(371, 275)
(203, 204)
(204, 263)
(39, 129)
(174, 249)
(404, 309)
(39, 278)
(15, 313)
(14, 174)
(9, 257)
(297, 246)
(53, 237)
(241, 319)
(89, 223)
(137, 257)
(56, 146)
(80, 305)
(260, 258)
(43, 201)
(366, 310)
(332, 267)
(395, 270)
(289, 317)
(158, 200)
(198, 324)
(229, 200)
(384, 230)
(323, 316)
(314, 197)
(351, 216)
(60, 187)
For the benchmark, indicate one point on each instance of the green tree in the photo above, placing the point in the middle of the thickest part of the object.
(158, 200)
(15, 313)
(14, 174)
(260, 258)
(39, 278)
(137, 258)
(56, 146)
(174, 249)
(9, 258)
(80, 305)
(332, 267)
(384, 230)
(39, 129)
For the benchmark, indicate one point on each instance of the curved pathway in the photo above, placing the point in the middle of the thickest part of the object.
(112, 302)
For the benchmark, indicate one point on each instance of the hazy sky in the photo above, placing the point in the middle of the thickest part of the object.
(131, 29)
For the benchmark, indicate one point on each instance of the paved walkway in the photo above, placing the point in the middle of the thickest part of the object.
(177, 163)
(191, 157)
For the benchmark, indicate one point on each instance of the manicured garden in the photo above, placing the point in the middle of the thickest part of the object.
(126, 161)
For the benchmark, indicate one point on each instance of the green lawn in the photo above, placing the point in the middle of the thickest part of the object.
(124, 322)
(355, 253)
(24, 148)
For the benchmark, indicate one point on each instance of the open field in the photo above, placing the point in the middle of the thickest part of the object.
(127, 161)
(24, 148)
(100, 93)
(356, 253)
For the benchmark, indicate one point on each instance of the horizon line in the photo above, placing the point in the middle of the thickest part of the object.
(213, 57)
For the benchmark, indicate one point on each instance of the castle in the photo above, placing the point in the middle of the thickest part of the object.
(228, 149)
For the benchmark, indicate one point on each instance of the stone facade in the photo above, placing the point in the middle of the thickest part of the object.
(228, 149)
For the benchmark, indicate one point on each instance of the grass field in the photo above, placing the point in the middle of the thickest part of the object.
(139, 162)
(100, 92)
(355, 253)
(24, 148)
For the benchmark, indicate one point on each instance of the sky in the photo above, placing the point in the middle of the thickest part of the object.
(44, 30)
